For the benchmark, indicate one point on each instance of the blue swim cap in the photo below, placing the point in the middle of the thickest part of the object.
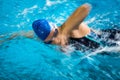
(42, 28)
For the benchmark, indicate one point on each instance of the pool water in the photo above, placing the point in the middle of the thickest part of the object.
(27, 59)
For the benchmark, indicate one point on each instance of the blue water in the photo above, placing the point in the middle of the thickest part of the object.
(27, 59)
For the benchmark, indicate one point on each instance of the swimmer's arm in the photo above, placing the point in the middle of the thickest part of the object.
(27, 34)
(72, 23)
(75, 19)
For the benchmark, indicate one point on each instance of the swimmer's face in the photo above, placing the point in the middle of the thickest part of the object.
(51, 36)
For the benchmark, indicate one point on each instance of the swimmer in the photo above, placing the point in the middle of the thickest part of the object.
(73, 27)
(72, 31)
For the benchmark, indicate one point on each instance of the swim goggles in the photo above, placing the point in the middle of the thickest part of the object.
(53, 26)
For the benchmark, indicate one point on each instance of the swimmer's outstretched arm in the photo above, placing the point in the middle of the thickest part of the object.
(27, 34)
(75, 19)
(71, 23)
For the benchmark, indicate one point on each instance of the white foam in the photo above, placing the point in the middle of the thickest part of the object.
(27, 10)
(50, 3)
(91, 20)
(68, 49)
(105, 49)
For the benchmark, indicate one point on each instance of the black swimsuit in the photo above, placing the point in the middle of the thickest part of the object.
(93, 40)
(89, 41)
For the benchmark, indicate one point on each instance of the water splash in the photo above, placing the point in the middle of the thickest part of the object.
(50, 3)
(115, 49)
(27, 10)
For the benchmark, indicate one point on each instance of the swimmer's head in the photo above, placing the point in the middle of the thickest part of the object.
(42, 28)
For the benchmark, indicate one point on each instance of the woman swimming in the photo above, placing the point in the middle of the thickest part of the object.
(73, 27)
(72, 31)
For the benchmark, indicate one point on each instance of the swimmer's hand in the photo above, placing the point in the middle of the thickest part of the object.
(61, 40)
